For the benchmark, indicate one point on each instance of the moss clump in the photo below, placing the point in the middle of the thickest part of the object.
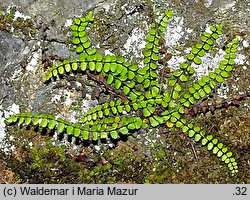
(174, 162)
(7, 176)
(17, 26)
(45, 162)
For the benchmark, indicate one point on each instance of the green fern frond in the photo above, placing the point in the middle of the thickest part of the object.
(140, 100)
(206, 84)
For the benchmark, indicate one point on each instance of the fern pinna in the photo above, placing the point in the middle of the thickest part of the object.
(142, 99)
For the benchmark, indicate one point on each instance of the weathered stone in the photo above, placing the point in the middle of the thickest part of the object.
(11, 54)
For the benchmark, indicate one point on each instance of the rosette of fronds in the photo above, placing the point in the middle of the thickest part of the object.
(141, 100)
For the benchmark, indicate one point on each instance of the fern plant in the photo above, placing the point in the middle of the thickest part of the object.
(141, 100)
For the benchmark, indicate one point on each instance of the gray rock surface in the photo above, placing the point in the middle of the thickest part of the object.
(11, 54)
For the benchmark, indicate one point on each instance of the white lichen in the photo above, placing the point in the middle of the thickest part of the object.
(68, 23)
(108, 52)
(35, 57)
(222, 91)
(21, 15)
(88, 103)
(134, 45)
(4, 114)
(240, 59)
(245, 43)
(175, 32)
(208, 3)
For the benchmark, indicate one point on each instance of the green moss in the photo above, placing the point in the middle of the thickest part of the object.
(46, 162)
(18, 26)
(46, 157)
